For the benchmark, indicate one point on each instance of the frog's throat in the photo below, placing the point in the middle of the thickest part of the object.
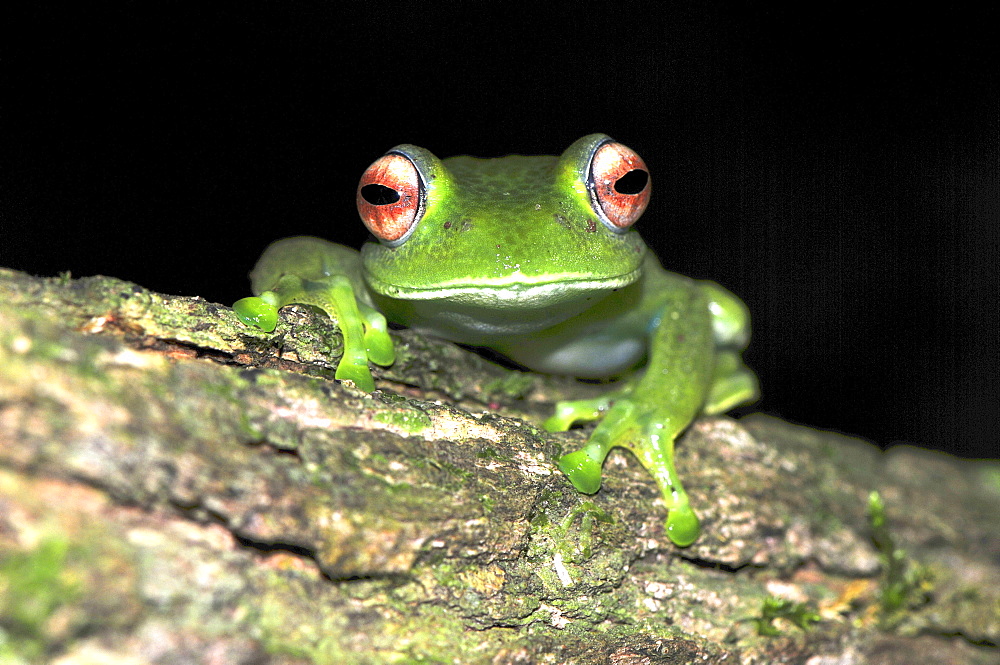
(511, 291)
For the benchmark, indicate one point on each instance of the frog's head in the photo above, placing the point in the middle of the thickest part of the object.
(513, 233)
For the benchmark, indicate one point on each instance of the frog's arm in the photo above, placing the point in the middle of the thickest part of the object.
(315, 272)
(692, 369)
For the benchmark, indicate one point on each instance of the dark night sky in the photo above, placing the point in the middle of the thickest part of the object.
(837, 171)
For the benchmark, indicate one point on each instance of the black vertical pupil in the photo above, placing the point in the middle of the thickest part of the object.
(632, 182)
(379, 195)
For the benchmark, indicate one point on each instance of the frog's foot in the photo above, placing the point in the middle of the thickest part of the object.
(583, 467)
(363, 329)
(650, 437)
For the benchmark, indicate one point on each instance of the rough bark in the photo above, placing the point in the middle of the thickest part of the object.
(176, 487)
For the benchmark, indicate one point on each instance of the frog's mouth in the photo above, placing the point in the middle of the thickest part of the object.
(514, 292)
(482, 312)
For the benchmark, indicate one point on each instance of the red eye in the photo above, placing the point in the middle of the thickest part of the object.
(389, 197)
(620, 182)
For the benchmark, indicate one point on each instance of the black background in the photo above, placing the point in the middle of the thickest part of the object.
(837, 170)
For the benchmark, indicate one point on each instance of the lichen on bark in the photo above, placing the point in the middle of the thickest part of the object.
(192, 487)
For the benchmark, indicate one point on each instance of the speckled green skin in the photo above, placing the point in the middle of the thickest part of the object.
(491, 221)
(513, 254)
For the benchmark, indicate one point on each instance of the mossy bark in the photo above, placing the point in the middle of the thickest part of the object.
(175, 484)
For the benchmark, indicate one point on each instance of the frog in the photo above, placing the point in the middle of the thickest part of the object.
(536, 258)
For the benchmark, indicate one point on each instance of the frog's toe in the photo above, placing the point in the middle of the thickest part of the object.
(359, 374)
(557, 423)
(683, 527)
(563, 417)
(582, 470)
(256, 312)
(567, 413)
(379, 346)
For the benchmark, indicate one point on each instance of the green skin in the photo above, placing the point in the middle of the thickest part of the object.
(510, 254)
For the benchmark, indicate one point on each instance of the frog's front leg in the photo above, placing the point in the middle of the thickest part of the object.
(315, 272)
(648, 417)
(650, 436)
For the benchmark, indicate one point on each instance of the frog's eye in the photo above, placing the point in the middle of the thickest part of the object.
(619, 185)
(390, 199)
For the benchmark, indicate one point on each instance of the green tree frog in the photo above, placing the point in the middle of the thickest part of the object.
(536, 258)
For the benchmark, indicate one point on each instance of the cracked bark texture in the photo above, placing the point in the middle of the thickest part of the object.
(177, 487)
